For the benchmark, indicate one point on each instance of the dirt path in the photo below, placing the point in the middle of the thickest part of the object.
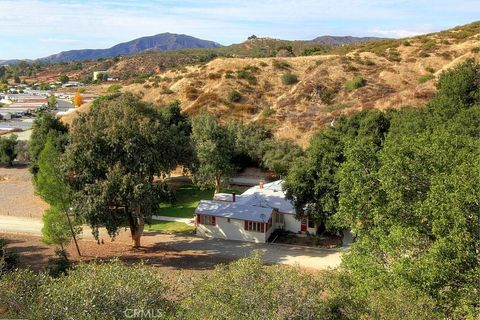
(312, 258)
(34, 254)
(16, 194)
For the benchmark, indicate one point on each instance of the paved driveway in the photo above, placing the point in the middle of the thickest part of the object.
(272, 253)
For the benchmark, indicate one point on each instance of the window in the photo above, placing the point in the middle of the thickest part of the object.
(254, 226)
(279, 218)
(206, 220)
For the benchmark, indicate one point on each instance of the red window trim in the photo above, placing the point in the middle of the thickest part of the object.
(249, 226)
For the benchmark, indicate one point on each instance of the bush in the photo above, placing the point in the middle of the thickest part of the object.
(476, 50)
(58, 266)
(355, 83)
(114, 88)
(267, 112)
(289, 78)
(81, 90)
(246, 74)
(281, 65)
(192, 93)
(425, 78)
(89, 291)
(428, 45)
(246, 289)
(8, 259)
(234, 96)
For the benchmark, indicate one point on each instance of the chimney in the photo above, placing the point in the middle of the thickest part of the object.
(233, 196)
(261, 185)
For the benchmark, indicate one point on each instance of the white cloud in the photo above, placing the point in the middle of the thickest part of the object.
(397, 33)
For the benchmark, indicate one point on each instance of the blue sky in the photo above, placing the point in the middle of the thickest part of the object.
(35, 28)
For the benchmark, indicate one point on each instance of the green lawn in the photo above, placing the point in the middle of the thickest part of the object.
(169, 227)
(187, 198)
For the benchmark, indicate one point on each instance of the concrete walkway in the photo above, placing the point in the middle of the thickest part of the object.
(313, 258)
(189, 221)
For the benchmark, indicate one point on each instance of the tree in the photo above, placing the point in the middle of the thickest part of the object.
(50, 184)
(311, 182)
(64, 78)
(214, 151)
(8, 151)
(52, 102)
(46, 125)
(55, 228)
(77, 100)
(250, 141)
(115, 153)
(412, 200)
(280, 155)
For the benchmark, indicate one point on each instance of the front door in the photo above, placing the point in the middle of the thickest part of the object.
(303, 224)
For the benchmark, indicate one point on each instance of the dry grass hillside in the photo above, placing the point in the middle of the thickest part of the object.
(379, 75)
(297, 95)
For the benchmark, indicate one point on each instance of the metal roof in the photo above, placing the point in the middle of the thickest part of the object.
(234, 210)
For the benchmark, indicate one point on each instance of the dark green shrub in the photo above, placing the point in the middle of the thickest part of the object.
(234, 96)
(289, 78)
(425, 78)
(281, 64)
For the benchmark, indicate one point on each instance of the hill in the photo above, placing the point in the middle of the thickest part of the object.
(159, 42)
(295, 96)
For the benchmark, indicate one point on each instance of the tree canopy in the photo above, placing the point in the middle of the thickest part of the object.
(115, 153)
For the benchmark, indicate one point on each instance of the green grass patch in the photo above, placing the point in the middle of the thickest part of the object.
(170, 227)
(187, 198)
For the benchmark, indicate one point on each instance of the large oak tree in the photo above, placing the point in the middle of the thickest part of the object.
(116, 154)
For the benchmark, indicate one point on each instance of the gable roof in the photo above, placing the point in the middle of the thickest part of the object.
(271, 195)
(234, 210)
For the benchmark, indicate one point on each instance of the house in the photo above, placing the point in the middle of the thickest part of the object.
(251, 216)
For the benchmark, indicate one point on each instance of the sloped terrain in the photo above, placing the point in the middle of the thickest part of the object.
(386, 74)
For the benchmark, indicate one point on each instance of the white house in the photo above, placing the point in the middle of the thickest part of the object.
(251, 216)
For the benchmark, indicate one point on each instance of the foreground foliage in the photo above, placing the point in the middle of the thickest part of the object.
(244, 289)
(407, 183)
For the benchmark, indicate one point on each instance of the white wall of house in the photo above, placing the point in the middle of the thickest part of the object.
(233, 230)
(291, 223)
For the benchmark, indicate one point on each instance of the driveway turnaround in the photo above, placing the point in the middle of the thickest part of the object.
(307, 257)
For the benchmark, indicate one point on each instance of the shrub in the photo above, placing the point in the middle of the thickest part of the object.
(267, 112)
(234, 96)
(114, 88)
(289, 78)
(192, 93)
(281, 64)
(8, 259)
(214, 76)
(406, 43)
(423, 54)
(425, 78)
(246, 74)
(81, 90)
(476, 50)
(89, 291)
(428, 45)
(355, 83)
(246, 289)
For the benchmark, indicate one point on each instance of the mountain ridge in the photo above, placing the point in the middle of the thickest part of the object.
(161, 42)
